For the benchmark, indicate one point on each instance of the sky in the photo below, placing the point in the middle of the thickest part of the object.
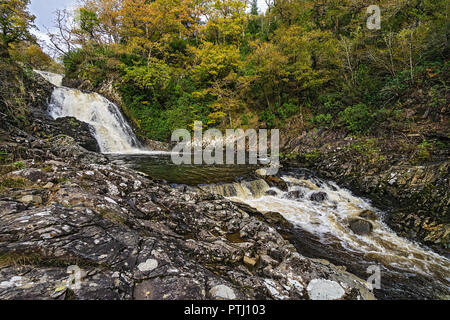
(44, 11)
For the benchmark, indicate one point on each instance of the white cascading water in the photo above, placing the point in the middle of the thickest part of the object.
(328, 220)
(111, 130)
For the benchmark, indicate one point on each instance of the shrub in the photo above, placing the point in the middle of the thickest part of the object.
(19, 165)
(323, 120)
(357, 119)
(268, 117)
(288, 110)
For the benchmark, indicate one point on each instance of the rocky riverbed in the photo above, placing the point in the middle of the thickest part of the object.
(387, 170)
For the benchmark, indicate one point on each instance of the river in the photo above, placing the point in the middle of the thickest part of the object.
(408, 270)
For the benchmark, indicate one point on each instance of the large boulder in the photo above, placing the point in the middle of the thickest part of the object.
(361, 227)
(319, 196)
(80, 131)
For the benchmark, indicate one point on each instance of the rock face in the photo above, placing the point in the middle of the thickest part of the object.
(39, 92)
(320, 289)
(101, 231)
(80, 131)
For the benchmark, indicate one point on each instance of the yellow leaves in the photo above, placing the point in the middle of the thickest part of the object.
(214, 61)
(200, 95)
(226, 21)
(155, 18)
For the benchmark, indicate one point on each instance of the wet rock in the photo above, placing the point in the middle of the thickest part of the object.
(295, 195)
(272, 193)
(66, 147)
(275, 218)
(370, 215)
(319, 196)
(277, 182)
(82, 132)
(361, 227)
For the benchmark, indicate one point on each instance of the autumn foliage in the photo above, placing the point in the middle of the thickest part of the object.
(300, 63)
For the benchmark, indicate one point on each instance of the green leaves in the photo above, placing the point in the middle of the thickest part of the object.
(154, 76)
(15, 21)
(88, 21)
(357, 118)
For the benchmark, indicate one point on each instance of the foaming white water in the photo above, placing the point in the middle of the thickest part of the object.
(53, 78)
(112, 132)
(329, 221)
(110, 128)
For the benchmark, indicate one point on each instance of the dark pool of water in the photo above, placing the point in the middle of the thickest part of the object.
(161, 167)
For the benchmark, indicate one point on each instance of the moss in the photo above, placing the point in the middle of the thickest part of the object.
(19, 165)
(111, 216)
(289, 156)
(73, 122)
(63, 180)
(15, 259)
(370, 149)
(16, 182)
(47, 169)
(312, 156)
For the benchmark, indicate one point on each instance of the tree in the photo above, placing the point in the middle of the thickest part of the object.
(88, 22)
(108, 16)
(254, 25)
(150, 26)
(214, 62)
(15, 21)
(63, 40)
(226, 21)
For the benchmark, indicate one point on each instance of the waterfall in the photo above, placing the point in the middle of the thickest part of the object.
(111, 130)
(240, 190)
(53, 78)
